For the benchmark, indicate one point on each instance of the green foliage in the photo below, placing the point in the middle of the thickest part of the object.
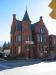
(6, 45)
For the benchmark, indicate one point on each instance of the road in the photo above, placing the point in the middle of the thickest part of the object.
(16, 63)
(1, 65)
(30, 67)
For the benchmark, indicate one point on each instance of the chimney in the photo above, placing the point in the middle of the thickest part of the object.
(14, 16)
(41, 18)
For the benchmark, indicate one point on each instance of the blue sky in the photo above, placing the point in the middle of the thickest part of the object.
(35, 8)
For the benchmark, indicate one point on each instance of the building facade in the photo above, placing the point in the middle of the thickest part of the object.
(21, 36)
(52, 45)
(40, 38)
(29, 40)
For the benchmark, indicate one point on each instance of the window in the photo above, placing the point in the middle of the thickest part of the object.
(19, 38)
(41, 38)
(38, 38)
(44, 38)
(42, 30)
(54, 41)
(15, 50)
(19, 49)
(28, 27)
(28, 47)
(28, 38)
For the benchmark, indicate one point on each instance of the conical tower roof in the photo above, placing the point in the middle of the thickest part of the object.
(26, 16)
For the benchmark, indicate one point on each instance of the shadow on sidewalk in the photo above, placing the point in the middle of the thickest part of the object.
(17, 63)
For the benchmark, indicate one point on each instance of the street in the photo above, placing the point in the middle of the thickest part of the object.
(16, 63)
(27, 67)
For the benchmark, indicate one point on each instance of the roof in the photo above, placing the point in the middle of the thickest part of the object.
(34, 25)
(19, 25)
(26, 16)
(52, 35)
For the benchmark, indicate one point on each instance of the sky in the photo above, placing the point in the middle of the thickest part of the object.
(35, 8)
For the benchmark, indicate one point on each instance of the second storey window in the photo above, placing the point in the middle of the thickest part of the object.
(38, 38)
(28, 38)
(41, 38)
(42, 30)
(44, 38)
(19, 38)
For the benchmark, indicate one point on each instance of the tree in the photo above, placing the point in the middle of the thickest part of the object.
(52, 5)
(6, 45)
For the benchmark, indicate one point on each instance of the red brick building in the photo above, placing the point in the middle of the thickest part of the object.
(28, 40)
(40, 38)
(21, 36)
(52, 45)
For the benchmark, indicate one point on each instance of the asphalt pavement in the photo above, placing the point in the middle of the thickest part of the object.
(16, 63)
